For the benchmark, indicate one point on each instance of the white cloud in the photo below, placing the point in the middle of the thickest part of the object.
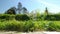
(53, 7)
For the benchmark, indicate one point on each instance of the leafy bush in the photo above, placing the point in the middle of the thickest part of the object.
(13, 25)
(11, 17)
(54, 26)
(52, 17)
(25, 26)
(22, 17)
(6, 17)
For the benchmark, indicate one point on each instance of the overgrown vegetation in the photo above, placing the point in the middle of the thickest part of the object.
(25, 21)
(26, 26)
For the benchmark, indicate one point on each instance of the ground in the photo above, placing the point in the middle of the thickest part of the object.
(43, 32)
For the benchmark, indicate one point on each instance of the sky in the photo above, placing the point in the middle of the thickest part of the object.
(31, 5)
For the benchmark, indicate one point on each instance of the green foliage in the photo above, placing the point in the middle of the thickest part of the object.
(13, 25)
(22, 17)
(29, 22)
(24, 10)
(12, 17)
(52, 17)
(11, 11)
(6, 17)
(10, 25)
(54, 26)
(26, 26)
(46, 11)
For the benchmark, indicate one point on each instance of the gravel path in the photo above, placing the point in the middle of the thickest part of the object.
(10, 32)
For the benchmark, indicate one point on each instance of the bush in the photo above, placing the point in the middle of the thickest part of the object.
(6, 17)
(11, 25)
(22, 17)
(29, 26)
(54, 26)
(26, 26)
(52, 17)
(16, 17)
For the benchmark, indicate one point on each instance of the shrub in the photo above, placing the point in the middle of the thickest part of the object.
(54, 26)
(22, 17)
(6, 17)
(28, 25)
(11, 17)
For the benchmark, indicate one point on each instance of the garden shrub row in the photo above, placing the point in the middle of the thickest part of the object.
(26, 17)
(11, 17)
(52, 17)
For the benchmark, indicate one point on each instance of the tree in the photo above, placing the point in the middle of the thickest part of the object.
(19, 8)
(11, 11)
(46, 11)
(24, 10)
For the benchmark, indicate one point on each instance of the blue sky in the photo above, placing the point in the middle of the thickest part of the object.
(53, 5)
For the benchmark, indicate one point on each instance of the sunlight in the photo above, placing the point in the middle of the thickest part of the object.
(52, 7)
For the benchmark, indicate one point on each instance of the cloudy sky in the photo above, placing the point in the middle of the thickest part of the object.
(52, 5)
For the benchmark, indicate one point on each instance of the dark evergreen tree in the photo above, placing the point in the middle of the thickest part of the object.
(46, 11)
(11, 11)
